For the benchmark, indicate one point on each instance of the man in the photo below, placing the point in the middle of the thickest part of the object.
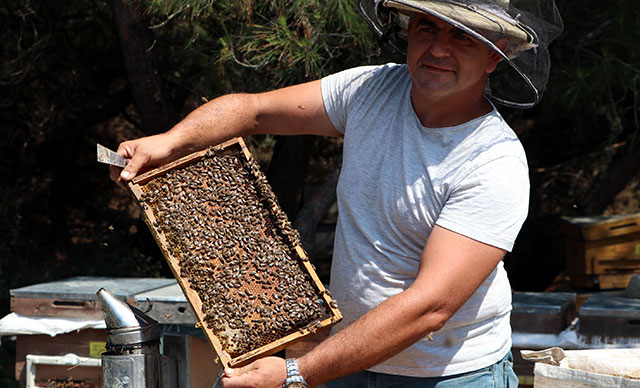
(432, 193)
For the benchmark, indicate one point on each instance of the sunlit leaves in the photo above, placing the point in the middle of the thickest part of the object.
(286, 41)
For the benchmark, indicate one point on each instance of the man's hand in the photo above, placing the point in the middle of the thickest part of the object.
(268, 372)
(143, 153)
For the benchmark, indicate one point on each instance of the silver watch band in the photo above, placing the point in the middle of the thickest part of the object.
(294, 379)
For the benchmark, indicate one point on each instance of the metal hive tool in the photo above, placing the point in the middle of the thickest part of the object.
(234, 253)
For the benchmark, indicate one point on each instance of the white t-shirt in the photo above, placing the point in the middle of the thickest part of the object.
(398, 180)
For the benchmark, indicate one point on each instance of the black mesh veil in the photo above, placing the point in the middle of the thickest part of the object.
(520, 78)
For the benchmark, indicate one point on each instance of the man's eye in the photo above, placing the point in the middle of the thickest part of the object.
(463, 37)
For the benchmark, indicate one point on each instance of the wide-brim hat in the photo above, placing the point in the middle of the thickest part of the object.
(520, 78)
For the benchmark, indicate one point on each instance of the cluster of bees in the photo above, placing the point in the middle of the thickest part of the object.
(65, 384)
(234, 244)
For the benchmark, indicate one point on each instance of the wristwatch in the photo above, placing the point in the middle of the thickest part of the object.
(294, 379)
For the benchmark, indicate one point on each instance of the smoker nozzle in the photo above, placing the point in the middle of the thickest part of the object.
(126, 325)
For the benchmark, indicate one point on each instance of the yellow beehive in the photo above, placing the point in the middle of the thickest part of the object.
(602, 251)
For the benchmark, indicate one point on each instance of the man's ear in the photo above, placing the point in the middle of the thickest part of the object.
(502, 43)
(495, 58)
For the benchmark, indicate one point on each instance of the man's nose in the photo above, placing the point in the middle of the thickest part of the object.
(440, 47)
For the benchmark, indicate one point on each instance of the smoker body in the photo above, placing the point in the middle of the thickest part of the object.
(133, 359)
(130, 370)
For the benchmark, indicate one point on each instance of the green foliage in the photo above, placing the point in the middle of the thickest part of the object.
(60, 49)
(60, 63)
(598, 63)
(591, 103)
(266, 44)
(590, 110)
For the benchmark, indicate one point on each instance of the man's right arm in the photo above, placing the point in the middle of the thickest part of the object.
(293, 110)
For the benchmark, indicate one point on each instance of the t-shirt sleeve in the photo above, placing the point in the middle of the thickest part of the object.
(490, 204)
(340, 89)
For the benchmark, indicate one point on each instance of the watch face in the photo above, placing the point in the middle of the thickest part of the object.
(296, 384)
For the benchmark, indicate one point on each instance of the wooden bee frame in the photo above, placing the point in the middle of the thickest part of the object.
(173, 249)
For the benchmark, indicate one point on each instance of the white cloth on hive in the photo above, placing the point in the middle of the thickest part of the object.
(17, 324)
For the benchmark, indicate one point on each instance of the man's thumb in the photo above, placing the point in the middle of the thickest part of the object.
(134, 165)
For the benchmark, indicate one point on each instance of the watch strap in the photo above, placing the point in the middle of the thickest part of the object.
(293, 373)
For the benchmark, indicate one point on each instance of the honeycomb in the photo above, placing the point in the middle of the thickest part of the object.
(235, 249)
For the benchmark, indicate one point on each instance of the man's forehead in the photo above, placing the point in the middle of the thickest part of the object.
(422, 19)
(425, 19)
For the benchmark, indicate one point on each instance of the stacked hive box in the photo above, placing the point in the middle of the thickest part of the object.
(46, 307)
(234, 253)
(602, 252)
(536, 314)
(610, 318)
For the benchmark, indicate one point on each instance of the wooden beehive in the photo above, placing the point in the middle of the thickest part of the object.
(602, 251)
(610, 316)
(234, 253)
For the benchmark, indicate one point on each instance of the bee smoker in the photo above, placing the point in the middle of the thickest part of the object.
(132, 358)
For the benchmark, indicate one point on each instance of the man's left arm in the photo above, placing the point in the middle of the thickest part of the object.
(452, 267)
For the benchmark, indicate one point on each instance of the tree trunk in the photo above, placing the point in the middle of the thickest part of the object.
(314, 211)
(151, 100)
(287, 171)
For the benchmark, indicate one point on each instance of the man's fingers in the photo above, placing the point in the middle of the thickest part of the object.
(242, 377)
(114, 174)
(236, 378)
(267, 372)
(235, 372)
(135, 164)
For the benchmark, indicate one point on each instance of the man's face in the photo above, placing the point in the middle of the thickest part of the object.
(444, 61)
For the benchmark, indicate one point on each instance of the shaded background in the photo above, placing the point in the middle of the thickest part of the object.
(77, 73)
